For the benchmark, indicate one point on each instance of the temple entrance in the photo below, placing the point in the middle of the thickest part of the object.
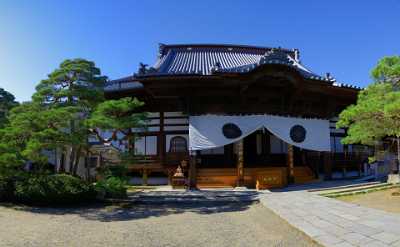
(262, 151)
(263, 154)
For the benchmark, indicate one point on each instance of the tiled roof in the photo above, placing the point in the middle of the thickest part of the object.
(124, 83)
(213, 59)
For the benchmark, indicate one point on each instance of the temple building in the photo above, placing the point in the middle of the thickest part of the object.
(235, 115)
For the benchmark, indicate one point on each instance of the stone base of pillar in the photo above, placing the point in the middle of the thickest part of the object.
(393, 179)
(241, 188)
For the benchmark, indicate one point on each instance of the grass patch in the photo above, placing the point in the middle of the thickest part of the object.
(361, 191)
(134, 188)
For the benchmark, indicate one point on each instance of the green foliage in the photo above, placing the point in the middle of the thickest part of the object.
(387, 70)
(10, 161)
(115, 171)
(32, 129)
(112, 187)
(366, 121)
(377, 112)
(76, 82)
(7, 188)
(7, 101)
(67, 97)
(67, 108)
(59, 189)
(118, 114)
(113, 182)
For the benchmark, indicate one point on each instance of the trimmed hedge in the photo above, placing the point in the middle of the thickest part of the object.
(59, 189)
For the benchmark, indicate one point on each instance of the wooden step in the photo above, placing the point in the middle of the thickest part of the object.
(227, 177)
(303, 174)
(301, 180)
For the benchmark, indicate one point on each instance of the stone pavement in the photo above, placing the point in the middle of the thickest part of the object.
(332, 222)
(194, 196)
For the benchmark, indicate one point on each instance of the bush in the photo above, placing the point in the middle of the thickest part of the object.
(7, 184)
(7, 188)
(54, 190)
(112, 187)
(113, 171)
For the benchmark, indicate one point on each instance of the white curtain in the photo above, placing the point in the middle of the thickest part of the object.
(205, 132)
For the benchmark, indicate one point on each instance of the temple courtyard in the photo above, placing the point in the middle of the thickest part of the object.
(196, 222)
(294, 216)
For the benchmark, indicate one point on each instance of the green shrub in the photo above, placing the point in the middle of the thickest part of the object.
(54, 190)
(111, 187)
(113, 171)
(7, 188)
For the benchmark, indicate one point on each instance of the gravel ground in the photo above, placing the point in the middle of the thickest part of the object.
(197, 224)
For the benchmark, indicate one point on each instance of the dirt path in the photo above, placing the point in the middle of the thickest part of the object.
(198, 224)
(380, 200)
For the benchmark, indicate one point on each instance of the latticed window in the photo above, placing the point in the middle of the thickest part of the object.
(178, 144)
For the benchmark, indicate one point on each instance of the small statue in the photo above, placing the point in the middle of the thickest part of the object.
(184, 164)
(178, 172)
(178, 180)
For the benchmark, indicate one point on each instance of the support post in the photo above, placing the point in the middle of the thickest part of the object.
(290, 163)
(193, 171)
(240, 163)
(144, 177)
(327, 166)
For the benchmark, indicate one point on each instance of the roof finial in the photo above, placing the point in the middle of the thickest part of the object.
(329, 77)
(142, 68)
(296, 55)
(161, 47)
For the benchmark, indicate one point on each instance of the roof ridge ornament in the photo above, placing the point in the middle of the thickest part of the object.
(144, 70)
(216, 67)
(329, 77)
(275, 55)
(161, 48)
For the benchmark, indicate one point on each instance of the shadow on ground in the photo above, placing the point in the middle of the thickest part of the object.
(141, 206)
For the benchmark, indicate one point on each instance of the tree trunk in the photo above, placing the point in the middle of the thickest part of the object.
(398, 154)
(71, 160)
(61, 167)
(87, 165)
(73, 150)
(76, 161)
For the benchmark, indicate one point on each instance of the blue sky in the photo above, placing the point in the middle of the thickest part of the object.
(345, 38)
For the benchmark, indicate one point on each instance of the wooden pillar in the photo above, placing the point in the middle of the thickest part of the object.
(290, 163)
(161, 140)
(240, 163)
(170, 174)
(327, 165)
(144, 177)
(193, 171)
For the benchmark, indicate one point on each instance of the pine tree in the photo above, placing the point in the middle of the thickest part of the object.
(7, 101)
(67, 108)
(377, 113)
